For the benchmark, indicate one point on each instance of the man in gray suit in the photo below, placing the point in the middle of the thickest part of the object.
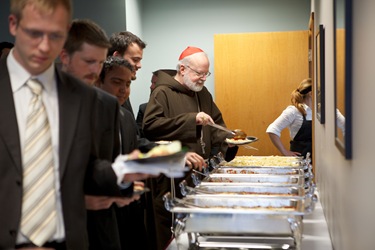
(40, 29)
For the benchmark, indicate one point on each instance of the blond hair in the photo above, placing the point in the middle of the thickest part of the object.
(16, 6)
(298, 95)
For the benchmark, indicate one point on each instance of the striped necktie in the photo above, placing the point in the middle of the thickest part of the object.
(38, 221)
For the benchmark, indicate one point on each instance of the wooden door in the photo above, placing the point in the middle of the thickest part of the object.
(255, 74)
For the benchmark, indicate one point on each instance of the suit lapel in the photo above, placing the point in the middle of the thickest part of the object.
(9, 134)
(69, 102)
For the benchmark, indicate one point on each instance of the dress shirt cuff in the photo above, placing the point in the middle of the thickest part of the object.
(117, 167)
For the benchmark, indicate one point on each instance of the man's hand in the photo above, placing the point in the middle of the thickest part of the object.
(203, 119)
(98, 202)
(194, 160)
(121, 202)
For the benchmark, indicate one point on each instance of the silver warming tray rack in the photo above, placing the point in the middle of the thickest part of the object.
(252, 202)
(221, 215)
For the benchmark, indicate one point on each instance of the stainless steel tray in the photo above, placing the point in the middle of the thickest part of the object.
(295, 180)
(259, 170)
(245, 242)
(277, 161)
(238, 216)
(216, 204)
(243, 190)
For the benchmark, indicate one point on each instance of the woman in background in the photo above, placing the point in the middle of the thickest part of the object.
(297, 117)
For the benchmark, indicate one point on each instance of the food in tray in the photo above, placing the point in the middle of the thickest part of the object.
(238, 170)
(254, 193)
(263, 161)
(286, 208)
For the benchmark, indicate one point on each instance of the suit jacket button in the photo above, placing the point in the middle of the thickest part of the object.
(18, 182)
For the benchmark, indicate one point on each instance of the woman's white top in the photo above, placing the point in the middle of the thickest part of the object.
(290, 118)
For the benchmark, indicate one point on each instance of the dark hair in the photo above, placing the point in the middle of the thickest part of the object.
(121, 40)
(85, 31)
(5, 45)
(112, 62)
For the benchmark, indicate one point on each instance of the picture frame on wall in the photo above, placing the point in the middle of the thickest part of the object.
(320, 75)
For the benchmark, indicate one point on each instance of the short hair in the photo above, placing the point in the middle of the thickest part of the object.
(5, 45)
(85, 31)
(16, 6)
(112, 62)
(121, 40)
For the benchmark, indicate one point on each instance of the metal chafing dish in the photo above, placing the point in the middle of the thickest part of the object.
(286, 180)
(243, 190)
(251, 205)
(239, 215)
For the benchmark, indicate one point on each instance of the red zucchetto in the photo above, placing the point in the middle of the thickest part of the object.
(189, 51)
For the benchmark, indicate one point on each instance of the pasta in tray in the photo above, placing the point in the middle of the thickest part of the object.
(263, 161)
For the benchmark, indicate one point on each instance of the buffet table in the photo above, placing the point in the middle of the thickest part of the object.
(315, 233)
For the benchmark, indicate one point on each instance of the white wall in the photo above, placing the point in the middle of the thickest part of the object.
(169, 26)
(347, 186)
(133, 17)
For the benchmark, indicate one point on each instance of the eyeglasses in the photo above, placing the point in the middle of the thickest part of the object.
(200, 74)
(38, 34)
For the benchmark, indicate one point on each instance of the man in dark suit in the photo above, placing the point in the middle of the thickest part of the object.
(129, 47)
(115, 79)
(83, 55)
(40, 29)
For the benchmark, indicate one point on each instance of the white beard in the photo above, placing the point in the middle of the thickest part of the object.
(192, 85)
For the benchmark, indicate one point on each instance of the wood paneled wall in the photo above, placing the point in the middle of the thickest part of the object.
(255, 74)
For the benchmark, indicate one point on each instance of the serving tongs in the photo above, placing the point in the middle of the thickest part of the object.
(237, 133)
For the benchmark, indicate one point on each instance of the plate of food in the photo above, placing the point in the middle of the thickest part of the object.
(166, 159)
(163, 153)
(247, 140)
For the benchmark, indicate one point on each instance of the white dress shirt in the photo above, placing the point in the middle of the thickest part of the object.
(291, 118)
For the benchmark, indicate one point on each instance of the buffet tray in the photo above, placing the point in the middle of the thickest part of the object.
(266, 161)
(258, 170)
(216, 204)
(250, 216)
(244, 242)
(296, 180)
(243, 190)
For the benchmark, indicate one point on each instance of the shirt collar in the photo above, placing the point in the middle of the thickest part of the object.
(19, 75)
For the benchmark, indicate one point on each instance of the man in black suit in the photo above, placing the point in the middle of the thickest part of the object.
(40, 29)
(83, 56)
(129, 47)
(115, 79)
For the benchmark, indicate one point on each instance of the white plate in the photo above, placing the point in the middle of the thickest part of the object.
(249, 139)
(173, 166)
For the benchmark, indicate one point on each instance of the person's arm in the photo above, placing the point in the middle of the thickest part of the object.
(279, 145)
